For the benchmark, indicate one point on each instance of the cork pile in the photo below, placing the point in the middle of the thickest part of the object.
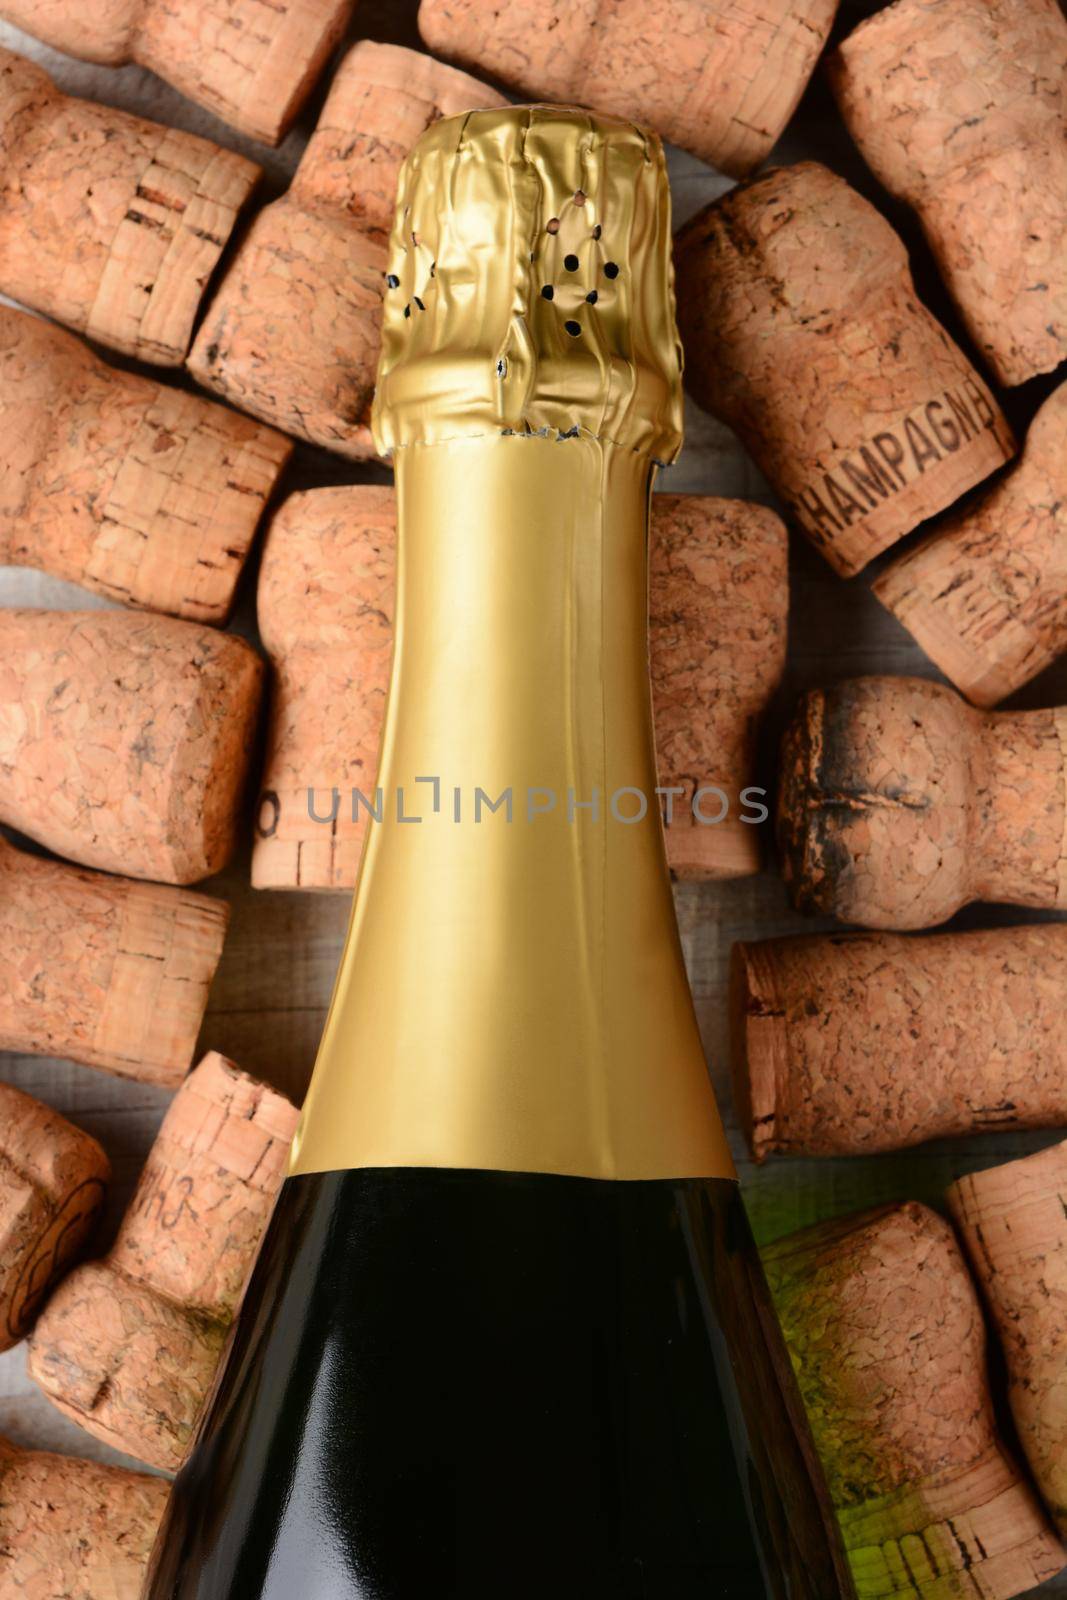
(197, 342)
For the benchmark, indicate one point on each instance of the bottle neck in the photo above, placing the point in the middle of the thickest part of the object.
(512, 995)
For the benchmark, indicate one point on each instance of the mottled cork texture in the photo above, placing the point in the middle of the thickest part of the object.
(53, 1181)
(72, 1529)
(111, 224)
(719, 603)
(1013, 1221)
(899, 803)
(128, 1346)
(251, 62)
(125, 738)
(986, 595)
(721, 82)
(293, 333)
(889, 1348)
(848, 1044)
(104, 970)
(959, 107)
(139, 492)
(803, 333)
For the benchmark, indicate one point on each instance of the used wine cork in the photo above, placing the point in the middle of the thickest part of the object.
(53, 1182)
(889, 1347)
(986, 595)
(804, 333)
(251, 62)
(959, 109)
(109, 223)
(1013, 1221)
(134, 490)
(128, 1346)
(899, 804)
(72, 1529)
(125, 738)
(720, 81)
(719, 601)
(104, 970)
(293, 333)
(847, 1044)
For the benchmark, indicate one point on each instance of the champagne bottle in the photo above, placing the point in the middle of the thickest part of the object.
(508, 1334)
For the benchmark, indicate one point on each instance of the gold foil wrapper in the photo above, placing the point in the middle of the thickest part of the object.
(513, 995)
(531, 285)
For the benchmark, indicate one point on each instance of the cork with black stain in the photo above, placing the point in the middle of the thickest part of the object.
(899, 803)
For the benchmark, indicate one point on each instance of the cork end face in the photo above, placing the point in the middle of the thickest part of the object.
(530, 285)
(875, 803)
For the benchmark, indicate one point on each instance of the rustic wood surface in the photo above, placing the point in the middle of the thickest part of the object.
(269, 999)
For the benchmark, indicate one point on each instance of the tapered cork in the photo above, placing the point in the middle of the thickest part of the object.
(72, 1529)
(719, 603)
(293, 333)
(959, 107)
(721, 83)
(53, 1181)
(1013, 1220)
(128, 1346)
(899, 803)
(125, 738)
(104, 970)
(847, 1044)
(139, 492)
(109, 223)
(889, 1348)
(803, 332)
(251, 62)
(986, 595)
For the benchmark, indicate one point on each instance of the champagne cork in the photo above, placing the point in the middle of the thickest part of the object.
(889, 1347)
(53, 1181)
(899, 804)
(325, 609)
(804, 333)
(721, 82)
(109, 223)
(251, 62)
(986, 595)
(959, 108)
(125, 739)
(136, 491)
(293, 333)
(848, 1044)
(128, 1346)
(1013, 1221)
(104, 970)
(719, 602)
(718, 615)
(72, 1529)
